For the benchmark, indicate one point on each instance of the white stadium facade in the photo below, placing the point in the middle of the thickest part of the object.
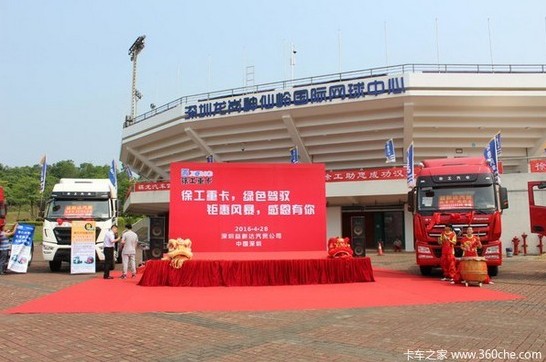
(343, 121)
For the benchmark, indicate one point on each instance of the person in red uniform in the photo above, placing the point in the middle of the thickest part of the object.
(448, 239)
(470, 245)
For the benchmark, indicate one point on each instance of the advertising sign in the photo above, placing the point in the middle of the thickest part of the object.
(21, 248)
(82, 252)
(537, 166)
(248, 207)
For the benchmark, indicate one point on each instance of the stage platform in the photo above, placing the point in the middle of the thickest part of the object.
(258, 269)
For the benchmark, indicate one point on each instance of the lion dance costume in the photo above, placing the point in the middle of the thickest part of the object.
(179, 252)
(339, 248)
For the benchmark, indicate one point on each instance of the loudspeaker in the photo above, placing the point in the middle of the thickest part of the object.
(157, 237)
(156, 249)
(157, 228)
(358, 239)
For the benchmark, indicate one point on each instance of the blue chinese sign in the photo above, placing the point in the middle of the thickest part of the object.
(369, 87)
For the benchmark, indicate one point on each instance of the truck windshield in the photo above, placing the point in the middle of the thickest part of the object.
(480, 198)
(77, 209)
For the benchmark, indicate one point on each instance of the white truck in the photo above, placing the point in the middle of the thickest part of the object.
(77, 199)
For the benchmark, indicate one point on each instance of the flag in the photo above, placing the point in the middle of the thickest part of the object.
(389, 151)
(128, 172)
(43, 173)
(113, 174)
(294, 156)
(410, 167)
(498, 143)
(490, 154)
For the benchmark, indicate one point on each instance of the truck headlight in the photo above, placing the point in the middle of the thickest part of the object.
(423, 250)
(492, 250)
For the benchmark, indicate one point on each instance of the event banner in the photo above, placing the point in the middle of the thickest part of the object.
(21, 248)
(248, 207)
(82, 252)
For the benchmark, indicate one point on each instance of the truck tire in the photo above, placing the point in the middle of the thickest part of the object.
(55, 265)
(426, 270)
(493, 270)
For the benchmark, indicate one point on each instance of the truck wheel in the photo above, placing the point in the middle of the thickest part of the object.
(493, 270)
(55, 265)
(426, 270)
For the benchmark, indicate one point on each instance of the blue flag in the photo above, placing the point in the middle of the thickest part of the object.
(43, 173)
(498, 143)
(490, 154)
(128, 172)
(113, 174)
(294, 156)
(410, 167)
(389, 151)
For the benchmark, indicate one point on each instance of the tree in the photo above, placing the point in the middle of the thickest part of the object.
(22, 184)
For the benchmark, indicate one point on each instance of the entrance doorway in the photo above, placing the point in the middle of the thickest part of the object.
(385, 225)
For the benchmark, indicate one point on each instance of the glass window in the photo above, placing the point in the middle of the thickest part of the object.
(457, 198)
(77, 209)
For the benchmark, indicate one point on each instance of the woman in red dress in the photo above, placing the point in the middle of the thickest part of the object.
(448, 239)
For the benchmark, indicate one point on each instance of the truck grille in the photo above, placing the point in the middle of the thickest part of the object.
(64, 235)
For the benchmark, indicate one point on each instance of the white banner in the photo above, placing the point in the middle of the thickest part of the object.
(21, 248)
(82, 252)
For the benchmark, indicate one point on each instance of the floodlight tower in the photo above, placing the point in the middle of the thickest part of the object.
(134, 50)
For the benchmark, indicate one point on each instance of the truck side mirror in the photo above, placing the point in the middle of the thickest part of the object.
(503, 198)
(411, 200)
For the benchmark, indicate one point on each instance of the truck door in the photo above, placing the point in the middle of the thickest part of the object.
(537, 206)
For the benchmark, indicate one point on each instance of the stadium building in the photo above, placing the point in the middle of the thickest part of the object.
(343, 121)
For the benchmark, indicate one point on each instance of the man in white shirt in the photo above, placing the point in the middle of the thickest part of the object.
(129, 241)
(109, 241)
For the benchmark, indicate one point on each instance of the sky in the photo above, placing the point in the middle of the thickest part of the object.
(65, 72)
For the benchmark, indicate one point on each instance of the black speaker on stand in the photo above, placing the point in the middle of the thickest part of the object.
(157, 238)
(358, 239)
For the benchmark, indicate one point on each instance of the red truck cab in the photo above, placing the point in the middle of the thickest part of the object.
(3, 208)
(462, 192)
(537, 206)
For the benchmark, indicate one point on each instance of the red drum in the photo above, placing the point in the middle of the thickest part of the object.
(473, 269)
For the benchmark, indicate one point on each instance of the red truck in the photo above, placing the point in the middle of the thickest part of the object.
(537, 206)
(462, 192)
(3, 208)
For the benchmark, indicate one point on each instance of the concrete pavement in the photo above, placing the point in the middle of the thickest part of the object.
(496, 330)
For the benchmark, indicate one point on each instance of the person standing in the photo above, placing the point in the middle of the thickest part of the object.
(470, 243)
(129, 240)
(4, 246)
(448, 239)
(110, 240)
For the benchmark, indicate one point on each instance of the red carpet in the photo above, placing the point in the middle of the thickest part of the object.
(124, 296)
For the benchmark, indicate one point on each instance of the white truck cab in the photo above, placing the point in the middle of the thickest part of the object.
(77, 199)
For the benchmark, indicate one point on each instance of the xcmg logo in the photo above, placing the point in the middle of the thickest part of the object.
(198, 177)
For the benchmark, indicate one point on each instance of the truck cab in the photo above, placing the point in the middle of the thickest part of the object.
(537, 206)
(462, 192)
(3, 208)
(77, 199)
